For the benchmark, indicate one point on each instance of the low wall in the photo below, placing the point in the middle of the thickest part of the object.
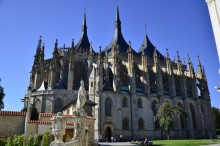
(11, 123)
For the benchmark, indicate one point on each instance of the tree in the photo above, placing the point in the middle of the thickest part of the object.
(216, 116)
(2, 94)
(165, 114)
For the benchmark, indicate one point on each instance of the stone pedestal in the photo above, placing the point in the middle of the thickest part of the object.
(58, 129)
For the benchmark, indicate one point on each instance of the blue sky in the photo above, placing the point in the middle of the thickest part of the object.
(182, 25)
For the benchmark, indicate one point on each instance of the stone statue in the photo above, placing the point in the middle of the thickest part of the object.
(81, 99)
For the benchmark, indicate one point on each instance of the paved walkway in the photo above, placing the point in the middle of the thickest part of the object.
(116, 144)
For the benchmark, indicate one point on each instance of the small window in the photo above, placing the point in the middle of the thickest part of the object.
(139, 103)
(124, 102)
(108, 107)
(141, 123)
(125, 124)
(91, 84)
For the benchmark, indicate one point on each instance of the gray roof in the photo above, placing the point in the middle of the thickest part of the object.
(149, 49)
(84, 40)
(118, 38)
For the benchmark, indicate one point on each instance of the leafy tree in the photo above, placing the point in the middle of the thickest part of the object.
(2, 95)
(216, 116)
(30, 141)
(165, 114)
(45, 140)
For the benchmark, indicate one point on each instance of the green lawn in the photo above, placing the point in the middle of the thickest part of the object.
(191, 142)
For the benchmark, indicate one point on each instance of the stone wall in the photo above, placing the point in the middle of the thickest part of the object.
(11, 123)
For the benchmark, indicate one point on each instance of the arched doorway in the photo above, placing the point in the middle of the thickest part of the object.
(108, 134)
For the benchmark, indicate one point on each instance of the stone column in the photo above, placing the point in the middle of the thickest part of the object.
(58, 129)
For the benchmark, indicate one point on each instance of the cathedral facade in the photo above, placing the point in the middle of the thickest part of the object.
(125, 85)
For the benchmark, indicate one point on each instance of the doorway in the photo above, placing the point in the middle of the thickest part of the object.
(108, 134)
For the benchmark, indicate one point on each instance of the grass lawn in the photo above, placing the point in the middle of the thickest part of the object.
(191, 142)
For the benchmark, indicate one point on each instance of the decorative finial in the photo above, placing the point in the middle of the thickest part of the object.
(167, 54)
(72, 43)
(145, 28)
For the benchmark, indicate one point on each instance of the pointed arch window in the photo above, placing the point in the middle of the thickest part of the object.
(108, 107)
(125, 124)
(154, 110)
(182, 117)
(58, 105)
(141, 123)
(139, 103)
(193, 115)
(125, 102)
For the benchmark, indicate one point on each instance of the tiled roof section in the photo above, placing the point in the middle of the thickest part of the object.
(47, 114)
(149, 49)
(67, 116)
(12, 113)
(49, 123)
(88, 102)
(84, 40)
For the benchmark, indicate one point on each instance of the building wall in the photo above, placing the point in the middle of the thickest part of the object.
(11, 123)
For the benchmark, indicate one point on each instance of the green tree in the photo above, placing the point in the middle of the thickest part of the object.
(46, 137)
(165, 114)
(2, 95)
(216, 116)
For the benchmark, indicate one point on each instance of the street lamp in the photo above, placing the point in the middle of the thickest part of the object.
(30, 90)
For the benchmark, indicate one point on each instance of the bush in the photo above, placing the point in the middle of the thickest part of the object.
(2, 142)
(9, 142)
(36, 140)
(45, 140)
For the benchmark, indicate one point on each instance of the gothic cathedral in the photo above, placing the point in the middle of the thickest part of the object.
(125, 85)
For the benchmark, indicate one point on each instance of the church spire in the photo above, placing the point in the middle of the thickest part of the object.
(117, 21)
(199, 66)
(55, 52)
(83, 43)
(84, 27)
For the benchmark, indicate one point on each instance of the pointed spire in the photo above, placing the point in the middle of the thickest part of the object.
(199, 66)
(39, 42)
(72, 44)
(167, 54)
(55, 52)
(84, 27)
(100, 52)
(129, 48)
(117, 21)
(178, 57)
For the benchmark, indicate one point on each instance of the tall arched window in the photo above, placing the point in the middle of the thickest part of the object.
(141, 123)
(108, 107)
(58, 105)
(165, 84)
(124, 102)
(182, 117)
(178, 85)
(139, 103)
(154, 109)
(189, 87)
(193, 115)
(125, 124)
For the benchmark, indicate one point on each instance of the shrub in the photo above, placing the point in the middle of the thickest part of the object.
(2, 142)
(45, 140)
(9, 142)
(30, 141)
(36, 140)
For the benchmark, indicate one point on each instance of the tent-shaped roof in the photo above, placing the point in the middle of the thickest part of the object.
(149, 49)
(118, 38)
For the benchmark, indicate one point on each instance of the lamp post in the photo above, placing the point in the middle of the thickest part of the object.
(28, 111)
